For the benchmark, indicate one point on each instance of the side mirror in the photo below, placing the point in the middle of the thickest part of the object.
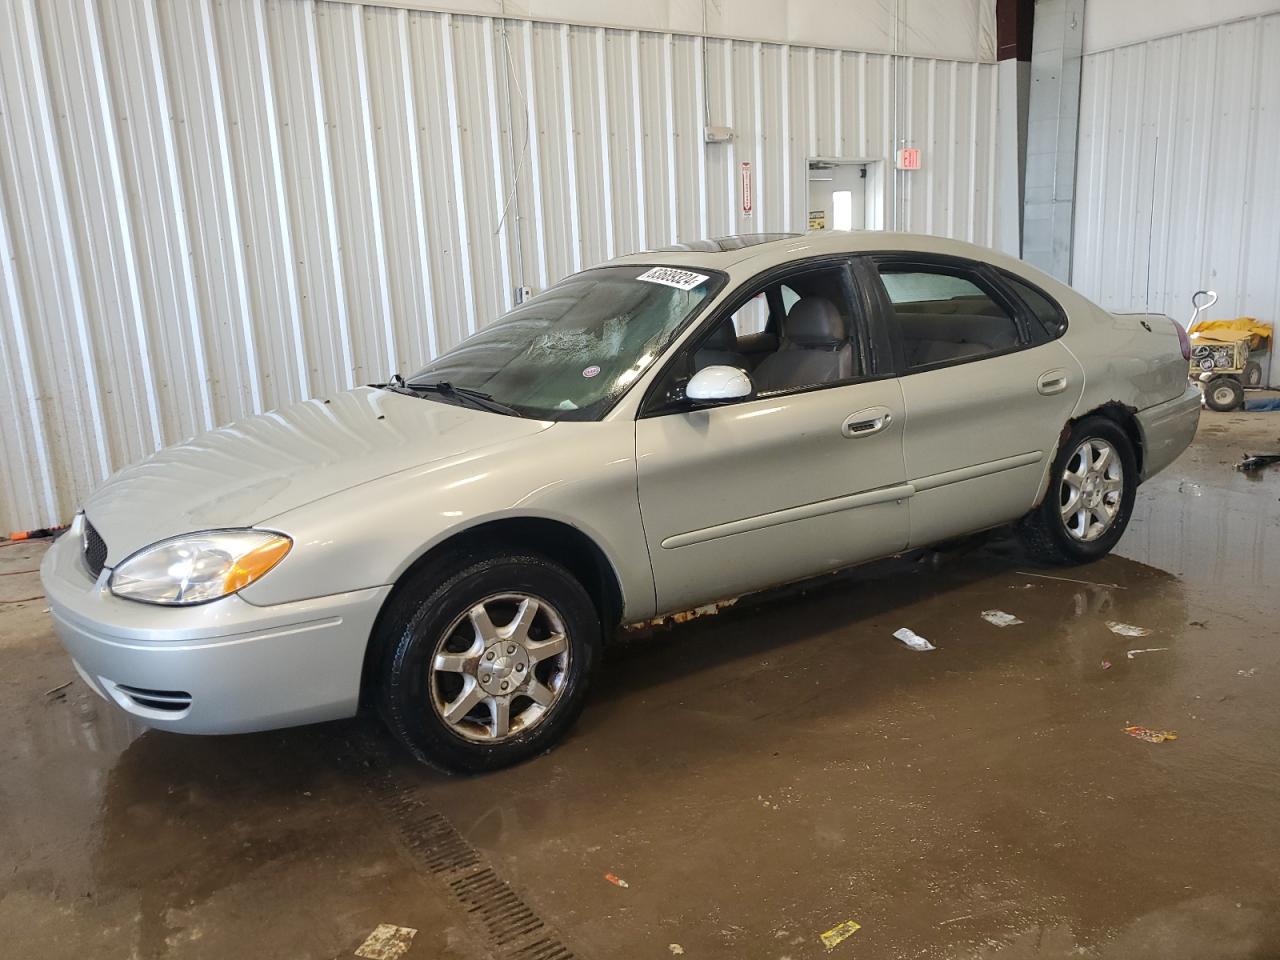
(718, 384)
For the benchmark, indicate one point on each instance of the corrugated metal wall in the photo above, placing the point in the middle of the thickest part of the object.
(217, 207)
(1177, 185)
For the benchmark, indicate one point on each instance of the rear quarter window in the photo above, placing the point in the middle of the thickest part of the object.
(1050, 316)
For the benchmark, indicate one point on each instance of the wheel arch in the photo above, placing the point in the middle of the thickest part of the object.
(1123, 416)
(554, 539)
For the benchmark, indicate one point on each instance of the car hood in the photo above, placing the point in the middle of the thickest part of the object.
(250, 471)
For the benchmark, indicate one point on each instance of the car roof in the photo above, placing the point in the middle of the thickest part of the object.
(759, 251)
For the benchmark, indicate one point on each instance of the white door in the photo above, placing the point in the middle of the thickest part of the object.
(806, 477)
(837, 195)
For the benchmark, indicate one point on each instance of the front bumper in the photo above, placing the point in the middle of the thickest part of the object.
(221, 667)
(1167, 430)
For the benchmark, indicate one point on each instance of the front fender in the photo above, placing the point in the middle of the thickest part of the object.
(581, 474)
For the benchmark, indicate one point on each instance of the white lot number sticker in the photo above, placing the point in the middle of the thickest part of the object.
(671, 277)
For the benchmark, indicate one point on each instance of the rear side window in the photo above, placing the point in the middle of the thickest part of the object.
(1045, 310)
(944, 316)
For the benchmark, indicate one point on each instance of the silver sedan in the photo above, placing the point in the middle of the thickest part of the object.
(661, 432)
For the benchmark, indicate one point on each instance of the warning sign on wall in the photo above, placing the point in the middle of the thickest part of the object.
(817, 219)
(744, 171)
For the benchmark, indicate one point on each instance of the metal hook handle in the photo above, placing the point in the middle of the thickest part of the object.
(1202, 300)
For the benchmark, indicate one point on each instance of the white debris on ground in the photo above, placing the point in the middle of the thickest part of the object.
(387, 942)
(1000, 618)
(913, 640)
(1127, 629)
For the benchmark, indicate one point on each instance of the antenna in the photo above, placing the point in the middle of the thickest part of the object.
(1151, 220)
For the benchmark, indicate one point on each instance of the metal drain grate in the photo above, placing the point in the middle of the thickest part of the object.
(510, 926)
(546, 949)
(505, 915)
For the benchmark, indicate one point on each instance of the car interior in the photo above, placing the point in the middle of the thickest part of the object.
(806, 335)
(944, 317)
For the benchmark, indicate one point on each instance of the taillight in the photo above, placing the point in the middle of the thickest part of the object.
(1183, 340)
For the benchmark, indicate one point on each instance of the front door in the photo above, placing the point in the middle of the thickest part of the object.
(807, 476)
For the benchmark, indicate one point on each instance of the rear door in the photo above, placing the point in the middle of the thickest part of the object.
(987, 388)
(806, 478)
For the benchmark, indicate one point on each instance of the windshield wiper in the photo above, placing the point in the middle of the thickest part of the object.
(395, 385)
(473, 398)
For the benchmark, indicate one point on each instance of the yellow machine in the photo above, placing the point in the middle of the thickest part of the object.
(1222, 351)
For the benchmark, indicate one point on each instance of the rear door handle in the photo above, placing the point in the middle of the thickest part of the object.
(1055, 381)
(866, 423)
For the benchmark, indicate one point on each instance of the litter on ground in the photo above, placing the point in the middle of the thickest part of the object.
(1000, 618)
(387, 942)
(840, 933)
(1247, 673)
(616, 880)
(1133, 653)
(913, 640)
(1257, 461)
(1149, 735)
(1106, 664)
(1087, 583)
(676, 949)
(1127, 629)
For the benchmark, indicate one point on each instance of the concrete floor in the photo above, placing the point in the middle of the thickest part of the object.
(755, 778)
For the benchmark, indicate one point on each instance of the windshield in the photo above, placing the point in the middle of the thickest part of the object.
(570, 352)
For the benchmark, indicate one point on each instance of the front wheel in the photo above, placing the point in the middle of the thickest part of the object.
(1090, 497)
(489, 665)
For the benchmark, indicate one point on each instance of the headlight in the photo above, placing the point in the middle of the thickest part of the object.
(199, 567)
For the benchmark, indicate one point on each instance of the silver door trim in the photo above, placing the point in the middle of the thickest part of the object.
(936, 480)
(807, 511)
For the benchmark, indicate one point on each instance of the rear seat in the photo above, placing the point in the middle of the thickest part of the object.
(969, 306)
(934, 338)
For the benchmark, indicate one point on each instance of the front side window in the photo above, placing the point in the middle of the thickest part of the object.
(945, 316)
(814, 345)
(571, 351)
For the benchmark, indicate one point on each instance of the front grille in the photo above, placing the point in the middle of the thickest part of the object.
(173, 701)
(95, 549)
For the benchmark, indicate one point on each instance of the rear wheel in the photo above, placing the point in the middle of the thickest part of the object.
(1252, 375)
(1090, 496)
(1223, 394)
(489, 665)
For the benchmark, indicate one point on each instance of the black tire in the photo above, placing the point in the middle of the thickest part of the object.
(426, 607)
(1223, 394)
(1252, 376)
(1044, 532)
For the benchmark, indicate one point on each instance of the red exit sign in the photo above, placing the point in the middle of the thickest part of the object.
(909, 158)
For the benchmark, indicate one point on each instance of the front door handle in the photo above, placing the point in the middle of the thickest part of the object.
(866, 423)
(1055, 381)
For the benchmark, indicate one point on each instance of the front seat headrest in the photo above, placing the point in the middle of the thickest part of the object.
(815, 321)
(722, 337)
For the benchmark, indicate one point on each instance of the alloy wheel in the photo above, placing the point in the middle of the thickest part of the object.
(1092, 490)
(500, 667)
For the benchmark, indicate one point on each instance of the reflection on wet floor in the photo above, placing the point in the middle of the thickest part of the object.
(756, 778)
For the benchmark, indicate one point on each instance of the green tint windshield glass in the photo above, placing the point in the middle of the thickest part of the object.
(570, 352)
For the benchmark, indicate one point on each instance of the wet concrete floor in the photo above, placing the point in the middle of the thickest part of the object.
(755, 778)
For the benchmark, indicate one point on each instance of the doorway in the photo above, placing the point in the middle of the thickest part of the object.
(844, 194)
